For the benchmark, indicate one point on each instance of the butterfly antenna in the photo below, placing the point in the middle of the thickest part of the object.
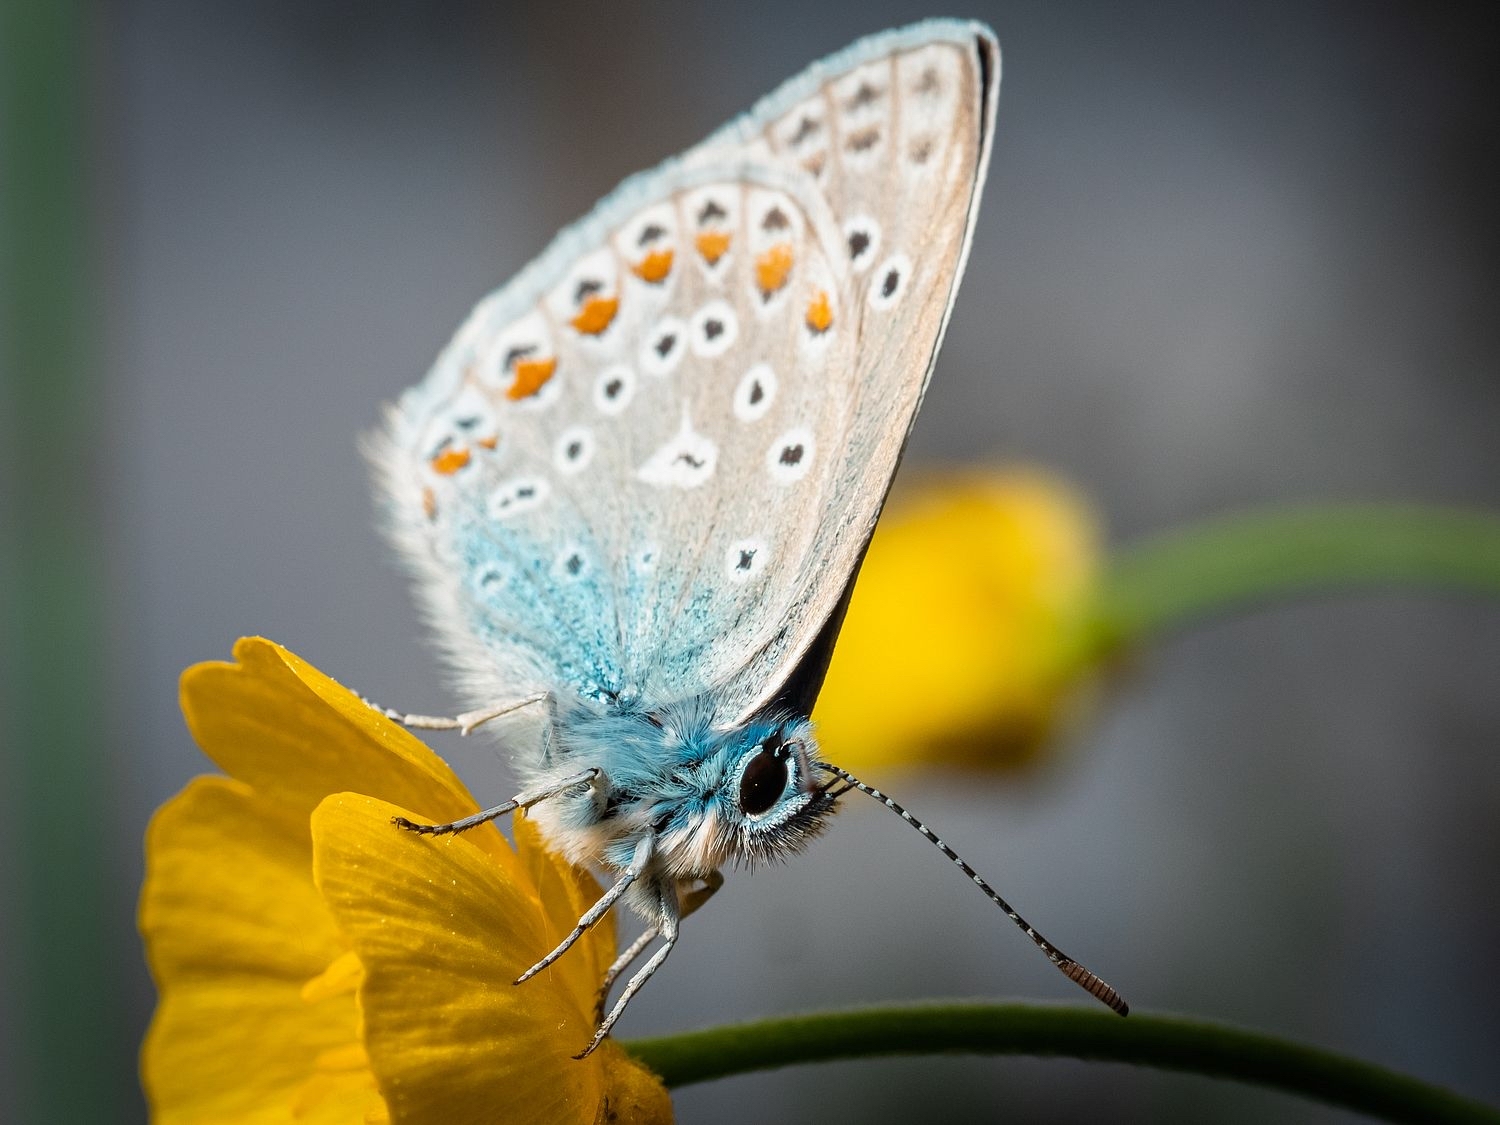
(1071, 969)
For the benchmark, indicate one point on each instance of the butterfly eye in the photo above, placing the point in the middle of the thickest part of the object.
(764, 779)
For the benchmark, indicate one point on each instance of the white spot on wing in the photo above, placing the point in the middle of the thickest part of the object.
(614, 389)
(774, 219)
(574, 449)
(652, 231)
(472, 412)
(571, 564)
(526, 338)
(818, 285)
(685, 461)
(862, 241)
(594, 275)
(517, 495)
(712, 211)
(745, 559)
(437, 437)
(791, 455)
(664, 346)
(889, 281)
(486, 578)
(655, 226)
(755, 393)
(714, 329)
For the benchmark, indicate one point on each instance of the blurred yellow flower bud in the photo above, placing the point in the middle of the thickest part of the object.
(966, 642)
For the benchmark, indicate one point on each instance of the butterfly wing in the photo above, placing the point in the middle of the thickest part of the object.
(646, 469)
(896, 133)
(570, 480)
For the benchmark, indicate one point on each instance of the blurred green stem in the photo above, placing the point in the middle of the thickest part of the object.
(1229, 564)
(1163, 1042)
(63, 989)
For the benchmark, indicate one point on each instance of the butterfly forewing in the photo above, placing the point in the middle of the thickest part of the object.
(897, 145)
(647, 468)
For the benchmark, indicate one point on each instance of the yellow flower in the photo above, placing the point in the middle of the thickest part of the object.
(966, 641)
(316, 964)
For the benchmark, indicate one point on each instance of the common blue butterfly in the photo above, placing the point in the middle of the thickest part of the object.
(636, 487)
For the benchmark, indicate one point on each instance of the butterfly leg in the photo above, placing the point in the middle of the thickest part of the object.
(638, 863)
(690, 902)
(521, 800)
(670, 914)
(464, 723)
(622, 962)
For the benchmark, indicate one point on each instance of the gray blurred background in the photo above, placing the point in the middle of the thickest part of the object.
(1230, 254)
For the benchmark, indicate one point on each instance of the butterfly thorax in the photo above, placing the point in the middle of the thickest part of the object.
(705, 796)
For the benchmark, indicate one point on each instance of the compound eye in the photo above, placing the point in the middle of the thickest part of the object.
(763, 781)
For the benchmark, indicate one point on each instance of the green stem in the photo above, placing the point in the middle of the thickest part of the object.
(1164, 1042)
(1236, 562)
(64, 985)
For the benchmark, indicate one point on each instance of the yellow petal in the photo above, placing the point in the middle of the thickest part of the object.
(632, 1094)
(274, 721)
(234, 928)
(963, 642)
(442, 931)
(342, 977)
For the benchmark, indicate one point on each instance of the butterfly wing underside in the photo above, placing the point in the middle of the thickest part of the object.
(648, 467)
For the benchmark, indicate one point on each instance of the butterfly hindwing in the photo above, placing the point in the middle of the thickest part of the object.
(647, 468)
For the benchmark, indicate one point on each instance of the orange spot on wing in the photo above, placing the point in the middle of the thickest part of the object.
(654, 267)
(596, 315)
(772, 267)
(489, 442)
(712, 244)
(819, 313)
(449, 461)
(531, 376)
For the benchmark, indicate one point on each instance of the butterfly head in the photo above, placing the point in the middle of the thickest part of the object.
(744, 796)
(774, 795)
(709, 796)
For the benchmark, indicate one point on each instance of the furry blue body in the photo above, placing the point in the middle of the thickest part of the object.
(670, 775)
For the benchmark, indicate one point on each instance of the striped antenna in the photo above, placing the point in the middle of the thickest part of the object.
(1070, 968)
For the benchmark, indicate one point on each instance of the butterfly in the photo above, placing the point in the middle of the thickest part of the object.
(635, 489)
